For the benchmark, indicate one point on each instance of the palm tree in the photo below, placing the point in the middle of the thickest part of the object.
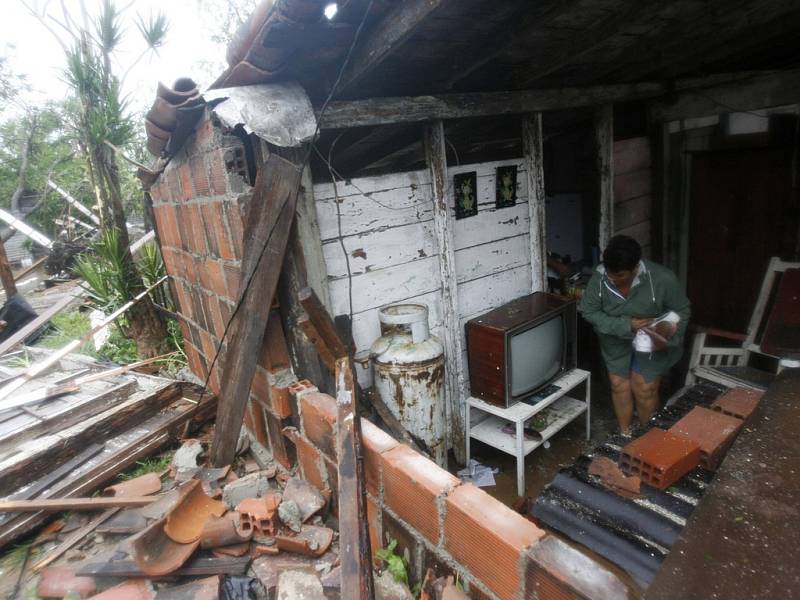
(101, 125)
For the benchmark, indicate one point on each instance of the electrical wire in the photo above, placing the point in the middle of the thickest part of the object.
(339, 228)
(293, 196)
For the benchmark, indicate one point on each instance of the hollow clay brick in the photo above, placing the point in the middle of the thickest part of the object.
(488, 538)
(411, 486)
(318, 414)
(738, 402)
(660, 458)
(283, 449)
(713, 431)
(309, 457)
(555, 570)
(374, 442)
(279, 382)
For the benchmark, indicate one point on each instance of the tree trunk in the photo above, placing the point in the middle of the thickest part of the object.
(24, 164)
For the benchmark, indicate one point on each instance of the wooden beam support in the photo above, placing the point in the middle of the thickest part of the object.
(435, 153)
(354, 544)
(534, 171)
(96, 503)
(604, 140)
(6, 275)
(323, 324)
(386, 37)
(269, 223)
(413, 109)
(759, 90)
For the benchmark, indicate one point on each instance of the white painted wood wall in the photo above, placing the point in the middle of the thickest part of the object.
(387, 229)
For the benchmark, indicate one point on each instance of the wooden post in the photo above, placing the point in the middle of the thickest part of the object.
(604, 138)
(6, 275)
(268, 225)
(454, 371)
(354, 545)
(534, 168)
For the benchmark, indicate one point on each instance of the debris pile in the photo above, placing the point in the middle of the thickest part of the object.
(244, 531)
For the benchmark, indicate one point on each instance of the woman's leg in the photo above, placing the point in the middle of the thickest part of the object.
(622, 400)
(645, 393)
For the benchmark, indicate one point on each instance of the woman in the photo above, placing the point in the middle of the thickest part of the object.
(625, 295)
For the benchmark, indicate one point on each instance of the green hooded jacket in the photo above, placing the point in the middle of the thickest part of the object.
(655, 291)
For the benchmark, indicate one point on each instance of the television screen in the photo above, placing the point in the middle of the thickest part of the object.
(536, 355)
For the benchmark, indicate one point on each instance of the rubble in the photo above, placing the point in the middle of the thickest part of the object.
(289, 514)
(299, 585)
(660, 458)
(254, 485)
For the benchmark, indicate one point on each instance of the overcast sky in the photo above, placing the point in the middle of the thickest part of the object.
(33, 51)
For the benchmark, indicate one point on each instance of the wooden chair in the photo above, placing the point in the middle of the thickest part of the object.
(731, 365)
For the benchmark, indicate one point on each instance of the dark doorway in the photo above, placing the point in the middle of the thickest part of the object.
(742, 213)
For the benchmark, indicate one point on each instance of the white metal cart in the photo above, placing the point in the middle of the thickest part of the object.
(559, 408)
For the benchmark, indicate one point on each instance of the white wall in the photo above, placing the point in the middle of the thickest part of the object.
(387, 231)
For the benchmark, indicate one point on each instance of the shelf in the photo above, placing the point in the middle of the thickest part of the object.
(522, 411)
(561, 412)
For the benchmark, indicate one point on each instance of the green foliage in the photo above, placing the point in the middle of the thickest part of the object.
(118, 349)
(105, 272)
(394, 563)
(155, 464)
(66, 327)
(154, 30)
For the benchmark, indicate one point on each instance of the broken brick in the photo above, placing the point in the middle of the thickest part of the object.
(612, 477)
(59, 581)
(713, 431)
(660, 458)
(309, 457)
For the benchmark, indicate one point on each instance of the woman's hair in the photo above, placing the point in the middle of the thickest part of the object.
(623, 253)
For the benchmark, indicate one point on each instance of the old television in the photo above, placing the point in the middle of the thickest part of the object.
(520, 348)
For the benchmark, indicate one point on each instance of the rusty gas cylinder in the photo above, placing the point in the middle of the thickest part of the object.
(408, 365)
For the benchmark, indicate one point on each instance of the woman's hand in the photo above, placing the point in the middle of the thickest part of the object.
(637, 324)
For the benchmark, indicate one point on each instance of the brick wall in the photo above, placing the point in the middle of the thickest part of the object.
(199, 203)
(439, 522)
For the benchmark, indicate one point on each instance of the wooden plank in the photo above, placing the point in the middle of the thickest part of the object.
(604, 141)
(35, 370)
(323, 324)
(354, 545)
(632, 184)
(56, 504)
(268, 226)
(6, 276)
(33, 267)
(631, 155)
(120, 452)
(412, 109)
(534, 161)
(632, 212)
(436, 157)
(307, 327)
(385, 37)
(202, 565)
(36, 457)
(20, 336)
(495, 257)
(74, 538)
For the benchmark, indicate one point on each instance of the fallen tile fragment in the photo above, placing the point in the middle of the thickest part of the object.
(254, 485)
(306, 496)
(232, 550)
(134, 589)
(259, 516)
(222, 531)
(299, 584)
(201, 589)
(262, 550)
(185, 521)
(138, 486)
(311, 541)
(58, 581)
(155, 553)
(158, 509)
(612, 477)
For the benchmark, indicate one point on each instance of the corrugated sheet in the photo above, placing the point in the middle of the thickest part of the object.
(636, 534)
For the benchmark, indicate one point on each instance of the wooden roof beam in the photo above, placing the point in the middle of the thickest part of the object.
(413, 109)
(385, 37)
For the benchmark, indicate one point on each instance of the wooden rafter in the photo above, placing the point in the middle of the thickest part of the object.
(385, 37)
